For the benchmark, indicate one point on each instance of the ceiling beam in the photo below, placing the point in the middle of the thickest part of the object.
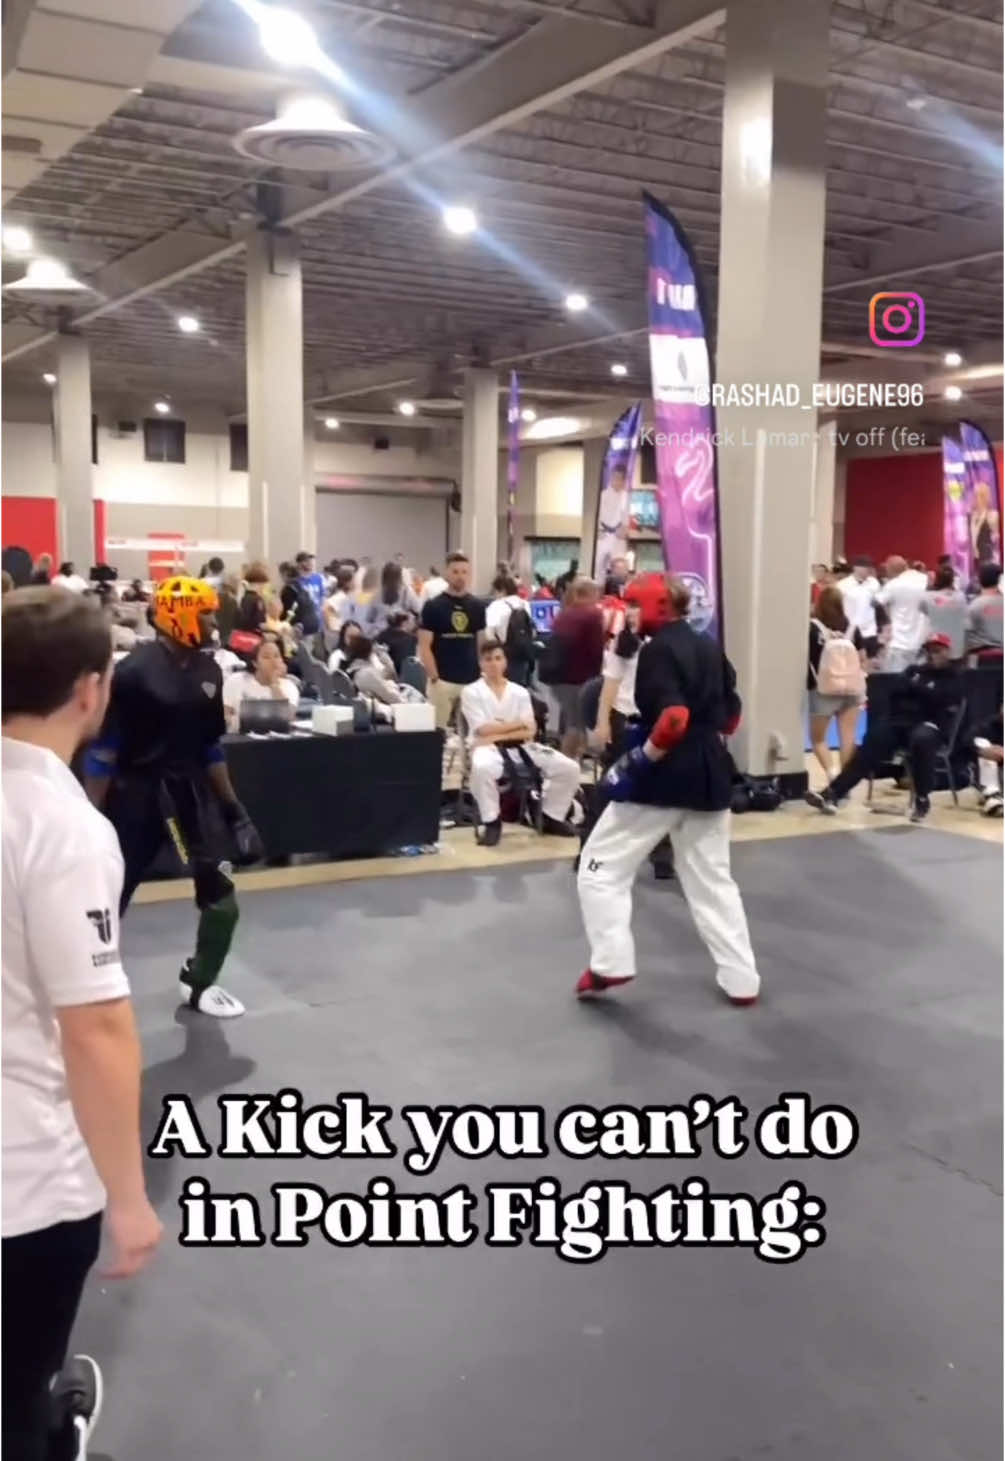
(958, 241)
(551, 61)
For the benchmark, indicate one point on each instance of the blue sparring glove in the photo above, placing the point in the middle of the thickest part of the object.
(245, 834)
(625, 777)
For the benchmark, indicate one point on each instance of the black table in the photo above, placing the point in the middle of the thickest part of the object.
(346, 796)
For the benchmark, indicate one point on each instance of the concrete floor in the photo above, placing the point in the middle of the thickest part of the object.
(881, 956)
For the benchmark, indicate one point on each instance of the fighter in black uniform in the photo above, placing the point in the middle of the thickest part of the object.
(676, 782)
(158, 765)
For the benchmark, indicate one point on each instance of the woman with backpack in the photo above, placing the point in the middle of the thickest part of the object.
(835, 677)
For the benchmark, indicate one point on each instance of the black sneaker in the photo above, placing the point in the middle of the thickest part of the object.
(922, 806)
(491, 832)
(823, 801)
(552, 827)
(77, 1393)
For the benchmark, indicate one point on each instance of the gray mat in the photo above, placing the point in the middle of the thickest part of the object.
(881, 958)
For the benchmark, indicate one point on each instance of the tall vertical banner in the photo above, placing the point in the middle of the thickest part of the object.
(971, 501)
(985, 499)
(614, 502)
(512, 462)
(684, 420)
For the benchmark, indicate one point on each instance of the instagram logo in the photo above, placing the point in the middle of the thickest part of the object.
(897, 319)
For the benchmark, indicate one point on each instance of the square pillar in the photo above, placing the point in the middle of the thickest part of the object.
(770, 283)
(480, 476)
(278, 486)
(72, 421)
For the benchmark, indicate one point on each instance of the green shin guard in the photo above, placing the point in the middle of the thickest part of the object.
(212, 943)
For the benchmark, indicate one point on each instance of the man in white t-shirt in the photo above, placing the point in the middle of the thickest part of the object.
(903, 597)
(71, 1057)
(499, 713)
(69, 578)
(858, 593)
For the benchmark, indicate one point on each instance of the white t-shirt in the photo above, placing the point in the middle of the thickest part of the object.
(480, 705)
(432, 588)
(497, 616)
(337, 604)
(72, 581)
(248, 687)
(903, 597)
(859, 609)
(62, 880)
(622, 670)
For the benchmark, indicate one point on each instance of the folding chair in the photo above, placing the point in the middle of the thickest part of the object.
(944, 755)
(413, 672)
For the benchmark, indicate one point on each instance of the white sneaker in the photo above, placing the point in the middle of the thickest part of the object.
(992, 804)
(212, 1001)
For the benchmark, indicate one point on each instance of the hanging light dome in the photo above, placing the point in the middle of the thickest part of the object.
(311, 133)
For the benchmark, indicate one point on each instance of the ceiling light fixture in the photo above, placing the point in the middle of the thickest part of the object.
(952, 358)
(287, 37)
(17, 240)
(331, 423)
(953, 393)
(528, 414)
(619, 368)
(406, 408)
(49, 378)
(917, 103)
(162, 407)
(552, 426)
(188, 324)
(459, 219)
(575, 302)
(45, 276)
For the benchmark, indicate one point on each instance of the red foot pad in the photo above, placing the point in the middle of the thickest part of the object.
(742, 999)
(591, 984)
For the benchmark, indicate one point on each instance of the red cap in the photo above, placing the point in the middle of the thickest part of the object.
(942, 640)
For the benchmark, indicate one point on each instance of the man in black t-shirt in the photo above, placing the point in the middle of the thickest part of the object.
(158, 768)
(449, 637)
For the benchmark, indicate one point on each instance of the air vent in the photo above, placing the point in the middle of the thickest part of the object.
(311, 134)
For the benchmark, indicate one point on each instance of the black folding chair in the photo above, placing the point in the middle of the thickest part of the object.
(413, 672)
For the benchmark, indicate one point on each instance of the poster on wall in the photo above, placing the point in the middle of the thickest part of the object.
(614, 499)
(685, 452)
(971, 501)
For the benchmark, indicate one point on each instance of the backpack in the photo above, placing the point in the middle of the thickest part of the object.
(519, 642)
(839, 671)
(551, 665)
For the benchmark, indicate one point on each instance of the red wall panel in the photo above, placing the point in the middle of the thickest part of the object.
(31, 523)
(894, 505)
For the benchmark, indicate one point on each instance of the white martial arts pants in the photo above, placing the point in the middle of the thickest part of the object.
(988, 773)
(559, 775)
(623, 837)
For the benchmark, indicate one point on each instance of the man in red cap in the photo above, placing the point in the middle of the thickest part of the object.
(924, 707)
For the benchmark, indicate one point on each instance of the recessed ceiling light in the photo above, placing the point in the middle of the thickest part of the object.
(953, 393)
(952, 358)
(17, 240)
(555, 426)
(161, 407)
(407, 408)
(575, 302)
(287, 37)
(459, 219)
(331, 423)
(45, 276)
(188, 324)
(49, 378)
(619, 369)
(917, 103)
(528, 414)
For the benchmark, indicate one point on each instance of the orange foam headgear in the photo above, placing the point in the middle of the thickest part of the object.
(178, 603)
(650, 594)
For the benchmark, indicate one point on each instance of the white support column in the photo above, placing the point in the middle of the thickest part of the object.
(72, 414)
(308, 498)
(822, 523)
(770, 282)
(480, 475)
(278, 486)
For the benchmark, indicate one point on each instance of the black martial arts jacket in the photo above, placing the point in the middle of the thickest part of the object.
(679, 667)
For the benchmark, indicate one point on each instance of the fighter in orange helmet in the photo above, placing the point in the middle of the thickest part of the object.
(158, 770)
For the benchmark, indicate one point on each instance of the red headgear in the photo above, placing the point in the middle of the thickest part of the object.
(651, 596)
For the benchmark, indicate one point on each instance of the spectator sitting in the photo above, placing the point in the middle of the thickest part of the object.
(922, 709)
(399, 638)
(336, 606)
(578, 650)
(69, 578)
(135, 593)
(349, 631)
(370, 669)
(498, 713)
(984, 617)
(946, 608)
(265, 679)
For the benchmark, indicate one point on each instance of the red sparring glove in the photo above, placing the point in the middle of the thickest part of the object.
(670, 728)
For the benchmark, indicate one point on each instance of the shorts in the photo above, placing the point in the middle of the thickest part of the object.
(832, 704)
(569, 698)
